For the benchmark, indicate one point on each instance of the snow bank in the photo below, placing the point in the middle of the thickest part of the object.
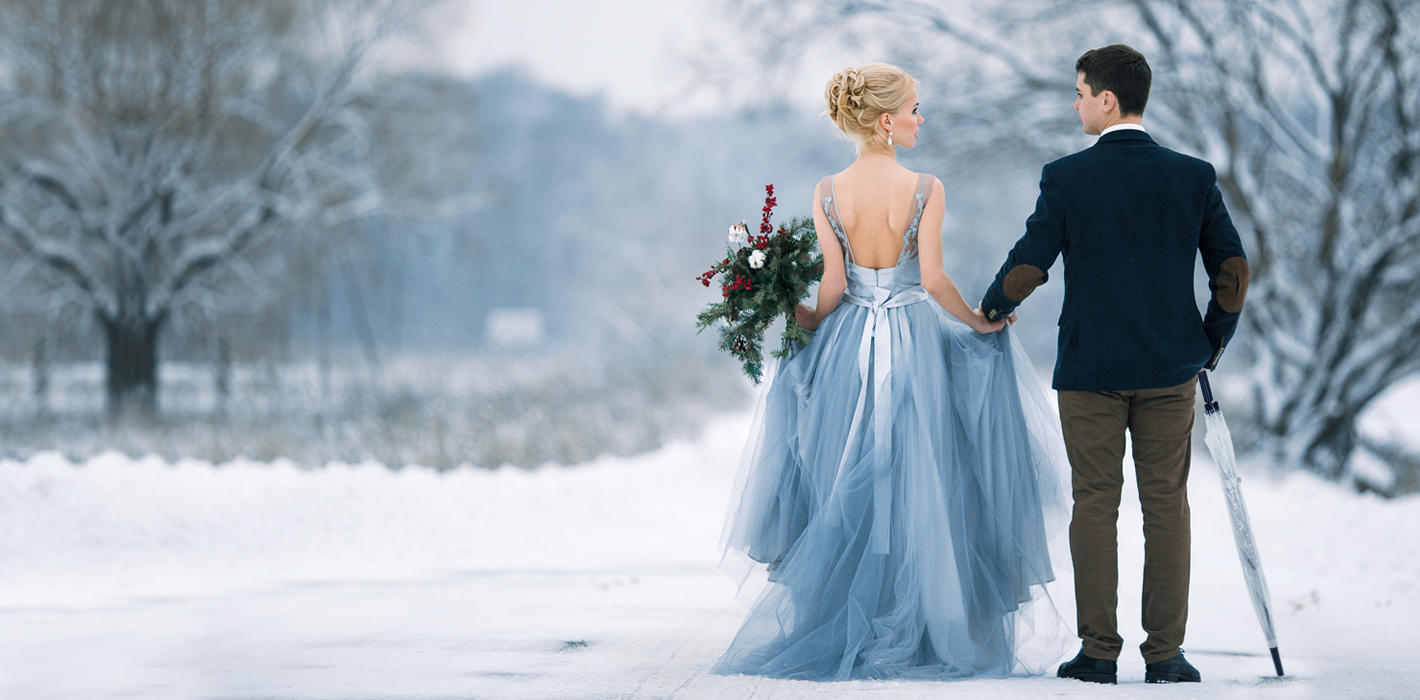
(113, 527)
(246, 579)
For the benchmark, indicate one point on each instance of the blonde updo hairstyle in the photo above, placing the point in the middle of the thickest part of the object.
(858, 96)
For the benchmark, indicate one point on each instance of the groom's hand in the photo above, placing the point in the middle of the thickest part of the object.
(1012, 318)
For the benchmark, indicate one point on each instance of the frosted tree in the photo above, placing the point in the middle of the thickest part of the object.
(1309, 109)
(162, 156)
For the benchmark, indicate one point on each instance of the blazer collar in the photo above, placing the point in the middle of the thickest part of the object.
(1125, 135)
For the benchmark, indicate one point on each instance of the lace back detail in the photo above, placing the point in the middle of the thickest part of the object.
(909, 237)
(830, 209)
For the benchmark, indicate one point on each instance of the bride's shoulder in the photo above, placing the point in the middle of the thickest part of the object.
(928, 181)
(932, 192)
(828, 185)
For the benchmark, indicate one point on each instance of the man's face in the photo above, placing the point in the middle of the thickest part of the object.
(1090, 106)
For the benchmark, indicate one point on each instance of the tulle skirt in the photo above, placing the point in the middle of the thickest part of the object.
(966, 503)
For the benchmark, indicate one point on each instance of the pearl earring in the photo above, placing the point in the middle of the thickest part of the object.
(889, 138)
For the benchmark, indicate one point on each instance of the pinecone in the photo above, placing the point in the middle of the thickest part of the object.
(741, 345)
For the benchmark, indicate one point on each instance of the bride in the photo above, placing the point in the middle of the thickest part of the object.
(903, 466)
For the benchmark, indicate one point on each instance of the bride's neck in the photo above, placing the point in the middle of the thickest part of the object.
(869, 155)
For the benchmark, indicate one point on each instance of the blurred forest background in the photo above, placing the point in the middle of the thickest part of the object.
(238, 227)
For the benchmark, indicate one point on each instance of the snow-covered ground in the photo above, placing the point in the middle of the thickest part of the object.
(123, 578)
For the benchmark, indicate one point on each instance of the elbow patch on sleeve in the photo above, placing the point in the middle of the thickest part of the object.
(1023, 279)
(1232, 284)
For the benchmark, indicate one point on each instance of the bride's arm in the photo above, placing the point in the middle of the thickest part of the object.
(934, 276)
(835, 278)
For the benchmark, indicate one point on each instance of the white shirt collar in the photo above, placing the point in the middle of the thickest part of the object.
(1122, 127)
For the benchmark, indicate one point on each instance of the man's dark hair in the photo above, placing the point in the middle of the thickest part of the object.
(1120, 70)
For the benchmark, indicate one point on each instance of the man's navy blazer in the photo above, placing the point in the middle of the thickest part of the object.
(1130, 218)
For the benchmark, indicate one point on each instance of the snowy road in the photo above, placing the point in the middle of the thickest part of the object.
(135, 579)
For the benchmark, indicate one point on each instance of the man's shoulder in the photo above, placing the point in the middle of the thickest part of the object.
(1183, 160)
(1067, 162)
(1098, 154)
(1062, 171)
(1084, 158)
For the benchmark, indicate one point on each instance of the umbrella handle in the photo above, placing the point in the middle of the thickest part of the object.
(1209, 405)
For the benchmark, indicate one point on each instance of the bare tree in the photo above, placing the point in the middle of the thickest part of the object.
(1310, 109)
(171, 156)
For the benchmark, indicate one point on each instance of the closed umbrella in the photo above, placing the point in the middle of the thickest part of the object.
(1220, 443)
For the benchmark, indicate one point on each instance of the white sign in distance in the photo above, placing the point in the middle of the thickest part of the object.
(516, 327)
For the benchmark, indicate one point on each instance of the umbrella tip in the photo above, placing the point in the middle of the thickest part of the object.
(1276, 660)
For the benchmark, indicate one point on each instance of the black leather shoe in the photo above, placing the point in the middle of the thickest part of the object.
(1174, 670)
(1090, 669)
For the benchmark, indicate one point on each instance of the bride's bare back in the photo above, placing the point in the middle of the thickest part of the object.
(876, 203)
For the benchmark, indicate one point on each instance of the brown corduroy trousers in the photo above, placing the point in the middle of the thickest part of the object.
(1160, 424)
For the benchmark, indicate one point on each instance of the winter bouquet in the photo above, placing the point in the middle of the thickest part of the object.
(763, 277)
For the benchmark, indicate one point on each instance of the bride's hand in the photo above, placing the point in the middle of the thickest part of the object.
(983, 326)
(805, 316)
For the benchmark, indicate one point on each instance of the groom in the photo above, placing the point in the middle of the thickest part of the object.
(1129, 217)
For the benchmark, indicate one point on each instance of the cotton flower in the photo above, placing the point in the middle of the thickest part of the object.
(756, 259)
(739, 233)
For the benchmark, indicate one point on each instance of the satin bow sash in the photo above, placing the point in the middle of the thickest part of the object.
(876, 348)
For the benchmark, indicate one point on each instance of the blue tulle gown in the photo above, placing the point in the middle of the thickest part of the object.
(901, 485)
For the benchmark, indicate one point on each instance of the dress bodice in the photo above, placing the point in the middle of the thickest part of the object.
(862, 281)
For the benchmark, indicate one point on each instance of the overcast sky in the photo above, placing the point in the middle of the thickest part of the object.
(631, 51)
